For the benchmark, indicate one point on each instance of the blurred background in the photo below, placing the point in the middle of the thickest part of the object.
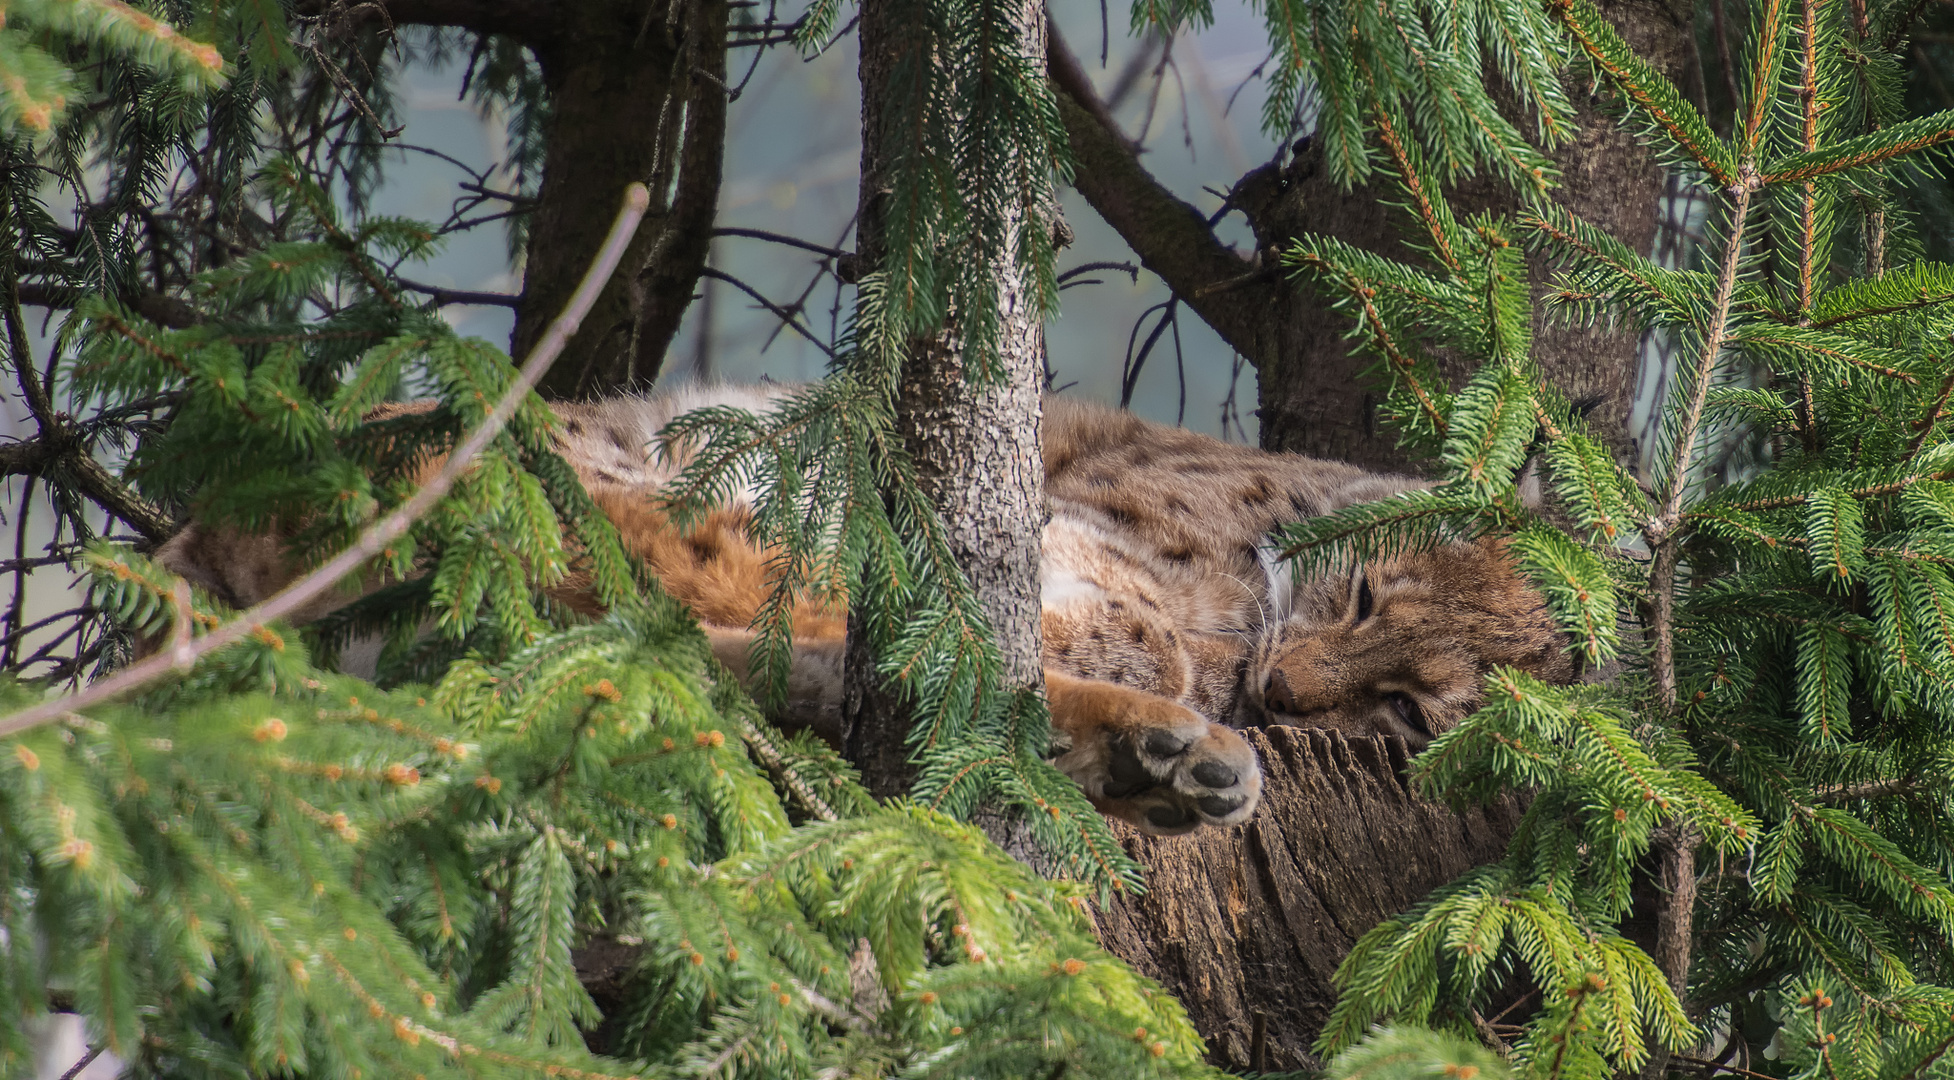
(793, 152)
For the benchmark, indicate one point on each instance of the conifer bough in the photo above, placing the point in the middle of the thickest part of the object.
(374, 540)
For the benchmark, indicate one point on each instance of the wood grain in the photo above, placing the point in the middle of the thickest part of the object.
(1255, 918)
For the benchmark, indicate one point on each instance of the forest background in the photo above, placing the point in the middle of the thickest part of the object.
(1896, 694)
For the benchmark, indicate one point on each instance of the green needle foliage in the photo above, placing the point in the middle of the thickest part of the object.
(979, 143)
(1412, 69)
(40, 39)
(270, 869)
(1781, 725)
(261, 868)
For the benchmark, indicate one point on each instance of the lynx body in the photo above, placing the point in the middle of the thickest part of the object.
(1167, 623)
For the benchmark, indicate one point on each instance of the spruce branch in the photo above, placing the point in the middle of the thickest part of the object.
(1673, 116)
(1435, 215)
(1768, 37)
(1931, 420)
(377, 537)
(1662, 528)
(1809, 106)
(1887, 144)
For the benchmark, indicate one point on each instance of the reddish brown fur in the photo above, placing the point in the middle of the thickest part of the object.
(1164, 622)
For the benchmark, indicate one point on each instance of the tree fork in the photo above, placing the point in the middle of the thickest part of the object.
(637, 93)
(1317, 397)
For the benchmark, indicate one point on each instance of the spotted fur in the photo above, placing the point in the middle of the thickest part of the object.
(1166, 623)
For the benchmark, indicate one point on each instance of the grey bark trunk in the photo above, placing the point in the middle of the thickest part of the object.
(1315, 396)
(974, 445)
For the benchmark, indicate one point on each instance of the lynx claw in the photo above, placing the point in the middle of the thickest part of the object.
(1170, 776)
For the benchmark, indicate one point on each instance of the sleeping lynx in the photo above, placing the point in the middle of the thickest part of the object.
(1166, 623)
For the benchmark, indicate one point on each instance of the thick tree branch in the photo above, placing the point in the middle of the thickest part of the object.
(60, 451)
(157, 308)
(1172, 238)
(630, 99)
(29, 457)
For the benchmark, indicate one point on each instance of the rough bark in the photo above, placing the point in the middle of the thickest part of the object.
(637, 92)
(1252, 921)
(1316, 396)
(974, 446)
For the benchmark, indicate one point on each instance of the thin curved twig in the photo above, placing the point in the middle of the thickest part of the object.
(779, 312)
(781, 238)
(1086, 268)
(383, 532)
(86, 1060)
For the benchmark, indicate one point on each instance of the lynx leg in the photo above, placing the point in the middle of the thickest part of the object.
(1149, 761)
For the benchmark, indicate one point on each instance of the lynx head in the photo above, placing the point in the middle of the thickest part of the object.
(1400, 646)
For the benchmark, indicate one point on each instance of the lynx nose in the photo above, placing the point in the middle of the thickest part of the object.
(1276, 696)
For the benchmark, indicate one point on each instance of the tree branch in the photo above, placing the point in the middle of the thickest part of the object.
(1172, 238)
(156, 307)
(778, 312)
(444, 297)
(59, 450)
(531, 21)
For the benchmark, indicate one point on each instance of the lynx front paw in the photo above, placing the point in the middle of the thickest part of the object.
(1159, 765)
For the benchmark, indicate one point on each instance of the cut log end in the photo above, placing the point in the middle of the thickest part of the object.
(1253, 919)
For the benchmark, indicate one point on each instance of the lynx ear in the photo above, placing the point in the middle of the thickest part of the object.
(200, 556)
(239, 568)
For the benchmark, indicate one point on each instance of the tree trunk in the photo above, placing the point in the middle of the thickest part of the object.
(974, 447)
(1317, 396)
(637, 93)
(1246, 925)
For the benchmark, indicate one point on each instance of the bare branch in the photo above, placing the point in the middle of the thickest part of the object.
(86, 1060)
(444, 297)
(779, 312)
(162, 310)
(381, 533)
(60, 447)
(530, 21)
(1172, 238)
(782, 238)
(1126, 268)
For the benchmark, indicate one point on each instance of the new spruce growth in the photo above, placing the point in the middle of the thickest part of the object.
(41, 39)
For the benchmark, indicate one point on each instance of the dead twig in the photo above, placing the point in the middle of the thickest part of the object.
(385, 531)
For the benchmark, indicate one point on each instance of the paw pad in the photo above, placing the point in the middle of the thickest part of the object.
(1167, 770)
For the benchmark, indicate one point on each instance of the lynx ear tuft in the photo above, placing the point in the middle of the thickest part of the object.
(1279, 576)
